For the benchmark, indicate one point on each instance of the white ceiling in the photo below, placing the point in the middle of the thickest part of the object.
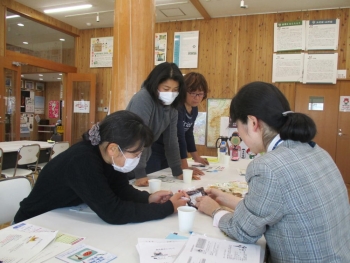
(176, 10)
(166, 10)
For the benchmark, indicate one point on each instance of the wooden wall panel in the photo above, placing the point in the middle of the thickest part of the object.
(103, 75)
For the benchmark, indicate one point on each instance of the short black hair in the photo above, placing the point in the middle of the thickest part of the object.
(195, 81)
(161, 73)
(126, 129)
(267, 103)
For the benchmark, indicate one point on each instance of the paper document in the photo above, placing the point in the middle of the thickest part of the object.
(61, 243)
(18, 246)
(201, 248)
(159, 250)
(85, 254)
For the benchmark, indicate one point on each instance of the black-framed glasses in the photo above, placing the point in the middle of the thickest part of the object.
(194, 94)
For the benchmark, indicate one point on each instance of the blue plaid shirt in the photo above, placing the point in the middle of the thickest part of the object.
(297, 199)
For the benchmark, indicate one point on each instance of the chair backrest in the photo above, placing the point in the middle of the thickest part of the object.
(57, 148)
(1, 158)
(12, 191)
(28, 154)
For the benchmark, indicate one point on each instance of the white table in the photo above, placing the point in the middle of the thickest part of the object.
(14, 146)
(122, 239)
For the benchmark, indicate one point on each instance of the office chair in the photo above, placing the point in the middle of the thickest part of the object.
(27, 154)
(56, 149)
(12, 191)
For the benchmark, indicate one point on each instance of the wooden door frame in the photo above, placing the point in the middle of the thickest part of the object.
(4, 63)
(68, 105)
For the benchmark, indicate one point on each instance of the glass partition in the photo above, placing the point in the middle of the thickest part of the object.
(32, 38)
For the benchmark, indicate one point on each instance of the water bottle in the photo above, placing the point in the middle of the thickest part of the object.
(222, 151)
(223, 148)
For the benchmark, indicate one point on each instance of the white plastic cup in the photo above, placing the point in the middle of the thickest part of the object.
(187, 175)
(186, 218)
(154, 185)
(222, 158)
(227, 160)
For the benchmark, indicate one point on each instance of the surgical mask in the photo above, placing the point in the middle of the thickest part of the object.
(129, 165)
(167, 97)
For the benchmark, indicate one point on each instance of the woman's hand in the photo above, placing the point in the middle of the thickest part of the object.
(141, 181)
(177, 200)
(207, 205)
(224, 199)
(196, 171)
(201, 160)
(160, 197)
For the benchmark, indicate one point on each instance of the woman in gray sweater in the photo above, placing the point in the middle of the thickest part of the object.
(156, 104)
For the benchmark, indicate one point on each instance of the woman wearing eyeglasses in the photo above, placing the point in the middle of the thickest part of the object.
(93, 172)
(196, 92)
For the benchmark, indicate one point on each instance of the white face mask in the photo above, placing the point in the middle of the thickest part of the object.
(129, 165)
(167, 97)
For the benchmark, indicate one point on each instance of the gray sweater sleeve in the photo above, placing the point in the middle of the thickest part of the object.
(171, 145)
(142, 105)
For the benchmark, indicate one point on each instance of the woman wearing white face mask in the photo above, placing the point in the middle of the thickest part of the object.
(156, 104)
(93, 171)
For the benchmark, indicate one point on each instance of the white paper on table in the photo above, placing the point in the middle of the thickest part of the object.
(18, 246)
(49, 252)
(62, 242)
(29, 228)
(165, 251)
(201, 248)
(86, 254)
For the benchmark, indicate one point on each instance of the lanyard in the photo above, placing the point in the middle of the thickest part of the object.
(276, 144)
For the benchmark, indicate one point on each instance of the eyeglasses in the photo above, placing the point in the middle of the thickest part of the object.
(199, 95)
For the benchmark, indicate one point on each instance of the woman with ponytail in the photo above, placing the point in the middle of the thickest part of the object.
(297, 197)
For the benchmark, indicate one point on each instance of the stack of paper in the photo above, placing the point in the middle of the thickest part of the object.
(157, 249)
(22, 246)
(197, 248)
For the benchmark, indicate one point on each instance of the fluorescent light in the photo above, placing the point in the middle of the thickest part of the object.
(13, 16)
(68, 8)
(41, 79)
(20, 24)
(25, 43)
(58, 78)
(62, 39)
(41, 75)
(60, 74)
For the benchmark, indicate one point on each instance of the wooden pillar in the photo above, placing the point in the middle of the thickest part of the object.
(2, 30)
(133, 49)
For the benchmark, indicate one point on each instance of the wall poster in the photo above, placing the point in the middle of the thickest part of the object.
(216, 108)
(160, 48)
(101, 52)
(186, 49)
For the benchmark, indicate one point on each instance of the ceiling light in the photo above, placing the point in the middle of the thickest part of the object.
(58, 78)
(40, 75)
(20, 24)
(60, 74)
(62, 39)
(41, 79)
(68, 8)
(13, 16)
(25, 43)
